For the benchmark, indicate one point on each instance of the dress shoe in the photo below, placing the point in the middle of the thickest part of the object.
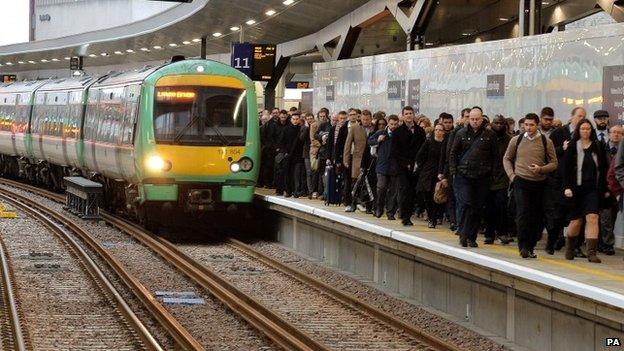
(489, 241)
(378, 214)
(463, 242)
(524, 253)
(609, 251)
(391, 218)
(472, 243)
(532, 254)
(407, 223)
(453, 227)
(550, 250)
(350, 209)
(504, 239)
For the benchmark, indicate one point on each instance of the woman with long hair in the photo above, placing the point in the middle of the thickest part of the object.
(584, 180)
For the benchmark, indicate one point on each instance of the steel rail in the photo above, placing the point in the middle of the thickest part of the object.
(181, 336)
(273, 326)
(260, 317)
(19, 341)
(418, 333)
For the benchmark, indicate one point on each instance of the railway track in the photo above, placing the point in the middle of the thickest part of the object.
(166, 320)
(278, 326)
(12, 333)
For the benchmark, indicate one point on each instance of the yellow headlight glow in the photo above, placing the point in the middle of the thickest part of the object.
(156, 163)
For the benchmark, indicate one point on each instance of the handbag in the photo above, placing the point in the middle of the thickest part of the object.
(440, 193)
(314, 163)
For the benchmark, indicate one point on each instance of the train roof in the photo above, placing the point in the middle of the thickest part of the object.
(68, 83)
(23, 87)
(120, 78)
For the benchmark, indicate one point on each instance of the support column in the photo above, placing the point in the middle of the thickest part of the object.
(269, 90)
(530, 17)
(204, 42)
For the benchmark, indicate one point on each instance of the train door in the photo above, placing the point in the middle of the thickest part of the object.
(21, 132)
(112, 109)
(125, 156)
(71, 129)
(7, 121)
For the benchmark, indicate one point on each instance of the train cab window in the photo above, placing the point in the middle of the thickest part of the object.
(191, 115)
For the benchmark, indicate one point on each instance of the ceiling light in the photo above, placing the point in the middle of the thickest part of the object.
(504, 19)
(118, 53)
(186, 42)
(428, 44)
(288, 2)
(270, 13)
(67, 58)
(196, 40)
(44, 60)
(545, 3)
(130, 51)
(173, 45)
(157, 47)
(104, 54)
(217, 34)
(251, 22)
(9, 63)
(93, 55)
(465, 34)
(20, 62)
(234, 29)
(145, 49)
(33, 62)
(55, 60)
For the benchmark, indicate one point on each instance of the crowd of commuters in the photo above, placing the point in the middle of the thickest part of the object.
(480, 174)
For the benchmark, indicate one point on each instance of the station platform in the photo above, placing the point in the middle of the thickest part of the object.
(582, 291)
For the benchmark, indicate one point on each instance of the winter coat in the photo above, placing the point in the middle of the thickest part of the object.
(355, 149)
(570, 168)
(407, 144)
(476, 161)
(427, 159)
(323, 132)
(386, 159)
(500, 180)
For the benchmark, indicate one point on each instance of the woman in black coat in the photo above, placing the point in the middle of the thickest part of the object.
(585, 183)
(427, 159)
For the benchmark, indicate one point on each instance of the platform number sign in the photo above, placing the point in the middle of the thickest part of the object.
(256, 61)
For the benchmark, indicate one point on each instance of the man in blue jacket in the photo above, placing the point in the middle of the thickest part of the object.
(387, 168)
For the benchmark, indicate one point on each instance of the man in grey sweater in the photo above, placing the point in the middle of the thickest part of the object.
(529, 158)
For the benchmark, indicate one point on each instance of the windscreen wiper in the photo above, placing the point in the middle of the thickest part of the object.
(179, 136)
(220, 135)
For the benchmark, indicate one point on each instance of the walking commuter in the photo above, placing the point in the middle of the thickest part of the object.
(618, 170)
(387, 167)
(609, 211)
(471, 161)
(428, 159)
(353, 116)
(356, 155)
(546, 121)
(310, 154)
(295, 174)
(528, 159)
(409, 137)
(267, 152)
(322, 135)
(282, 148)
(601, 118)
(443, 168)
(555, 202)
(584, 179)
(496, 206)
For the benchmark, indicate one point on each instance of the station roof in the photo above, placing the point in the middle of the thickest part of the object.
(177, 31)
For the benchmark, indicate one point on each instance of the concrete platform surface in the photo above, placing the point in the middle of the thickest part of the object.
(602, 283)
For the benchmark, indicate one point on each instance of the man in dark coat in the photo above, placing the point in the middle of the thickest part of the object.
(443, 169)
(282, 148)
(471, 163)
(409, 137)
(387, 167)
(496, 208)
(295, 176)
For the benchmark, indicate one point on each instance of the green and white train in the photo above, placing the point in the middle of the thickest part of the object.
(183, 135)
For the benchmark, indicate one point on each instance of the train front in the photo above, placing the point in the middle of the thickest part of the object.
(199, 138)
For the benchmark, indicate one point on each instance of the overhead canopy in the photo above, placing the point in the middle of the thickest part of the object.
(177, 32)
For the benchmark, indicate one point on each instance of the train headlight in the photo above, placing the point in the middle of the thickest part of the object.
(235, 167)
(246, 164)
(157, 163)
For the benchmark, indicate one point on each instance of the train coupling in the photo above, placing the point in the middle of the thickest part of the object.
(199, 200)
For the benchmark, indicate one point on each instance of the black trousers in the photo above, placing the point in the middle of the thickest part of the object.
(266, 168)
(554, 209)
(496, 214)
(529, 196)
(386, 193)
(279, 175)
(434, 211)
(471, 196)
(406, 193)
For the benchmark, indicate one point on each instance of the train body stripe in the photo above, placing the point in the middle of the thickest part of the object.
(201, 80)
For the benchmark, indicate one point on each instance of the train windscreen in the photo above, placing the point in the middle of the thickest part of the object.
(192, 115)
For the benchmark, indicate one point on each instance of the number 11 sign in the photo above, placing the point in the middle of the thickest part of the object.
(241, 57)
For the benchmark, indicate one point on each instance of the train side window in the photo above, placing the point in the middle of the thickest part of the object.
(91, 117)
(22, 115)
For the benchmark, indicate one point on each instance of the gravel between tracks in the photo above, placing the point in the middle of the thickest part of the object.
(444, 329)
(336, 325)
(62, 306)
(211, 323)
